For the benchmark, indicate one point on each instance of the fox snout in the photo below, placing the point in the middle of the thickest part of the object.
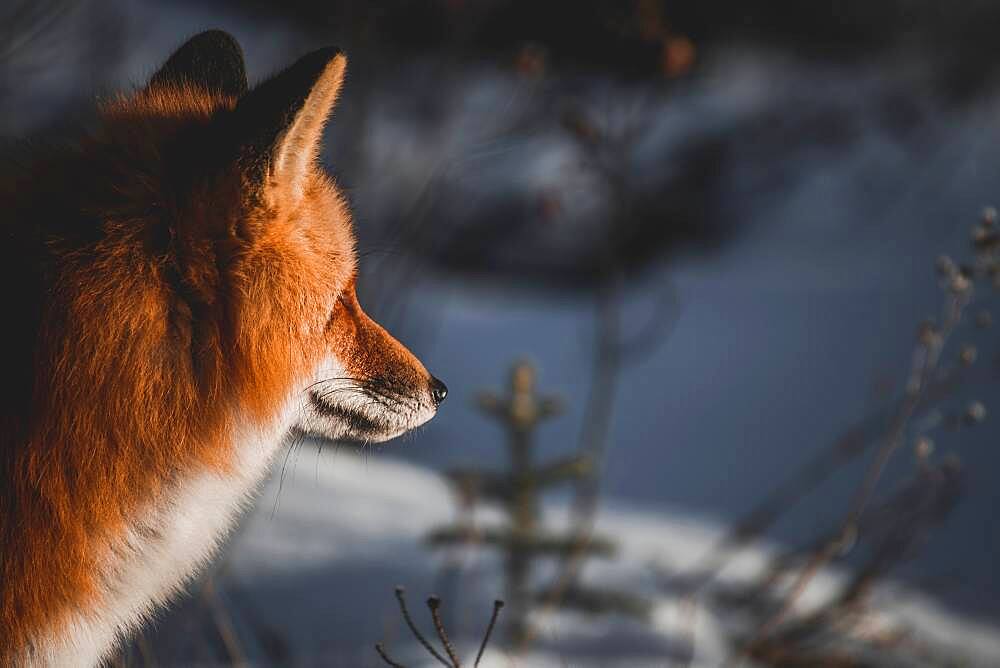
(369, 387)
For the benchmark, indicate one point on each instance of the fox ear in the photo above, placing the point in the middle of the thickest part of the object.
(212, 59)
(281, 121)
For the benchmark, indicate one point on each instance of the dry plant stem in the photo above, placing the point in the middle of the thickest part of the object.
(389, 297)
(223, 624)
(401, 597)
(146, 652)
(434, 604)
(497, 605)
(854, 442)
(612, 351)
(907, 498)
(28, 23)
(925, 363)
(594, 435)
(915, 507)
(385, 657)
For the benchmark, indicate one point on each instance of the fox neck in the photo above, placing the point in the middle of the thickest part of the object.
(162, 548)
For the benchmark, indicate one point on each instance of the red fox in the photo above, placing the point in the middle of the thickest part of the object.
(180, 285)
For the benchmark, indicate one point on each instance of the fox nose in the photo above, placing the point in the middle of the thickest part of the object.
(438, 391)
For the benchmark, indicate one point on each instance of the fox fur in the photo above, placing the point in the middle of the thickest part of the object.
(179, 278)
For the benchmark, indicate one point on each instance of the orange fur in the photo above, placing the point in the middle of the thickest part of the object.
(170, 306)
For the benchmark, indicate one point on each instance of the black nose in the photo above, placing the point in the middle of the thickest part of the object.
(438, 391)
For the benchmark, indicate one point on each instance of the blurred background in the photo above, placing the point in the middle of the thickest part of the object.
(724, 271)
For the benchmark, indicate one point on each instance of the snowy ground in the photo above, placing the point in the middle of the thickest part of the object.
(312, 572)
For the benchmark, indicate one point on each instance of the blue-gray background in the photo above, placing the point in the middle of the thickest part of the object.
(817, 165)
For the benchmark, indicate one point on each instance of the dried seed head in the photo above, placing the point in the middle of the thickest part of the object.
(923, 448)
(927, 334)
(968, 355)
(985, 240)
(989, 215)
(960, 282)
(945, 266)
(975, 413)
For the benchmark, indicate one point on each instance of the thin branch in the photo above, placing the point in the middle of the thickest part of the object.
(924, 365)
(146, 651)
(401, 597)
(645, 340)
(223, 624)
(380, 648)
(434, 604)
(497, 605)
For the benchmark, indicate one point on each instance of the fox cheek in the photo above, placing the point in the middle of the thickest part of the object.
(369, 387)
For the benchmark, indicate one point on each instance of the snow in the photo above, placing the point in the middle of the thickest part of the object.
(316, 565)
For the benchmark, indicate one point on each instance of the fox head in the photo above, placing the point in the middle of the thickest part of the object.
(280, 238)
(179, 277)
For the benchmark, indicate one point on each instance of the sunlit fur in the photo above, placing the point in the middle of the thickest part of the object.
(171, 323)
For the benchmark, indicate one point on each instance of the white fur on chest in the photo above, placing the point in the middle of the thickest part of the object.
(163, 549)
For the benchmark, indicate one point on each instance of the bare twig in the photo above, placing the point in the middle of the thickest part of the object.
(380, 648)
(924, 365)
(895, 527)
(899, 523)
(223, 624)
(434, 604)
(145, 651)
(497, 605)
(401, 597)
(854, 442)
